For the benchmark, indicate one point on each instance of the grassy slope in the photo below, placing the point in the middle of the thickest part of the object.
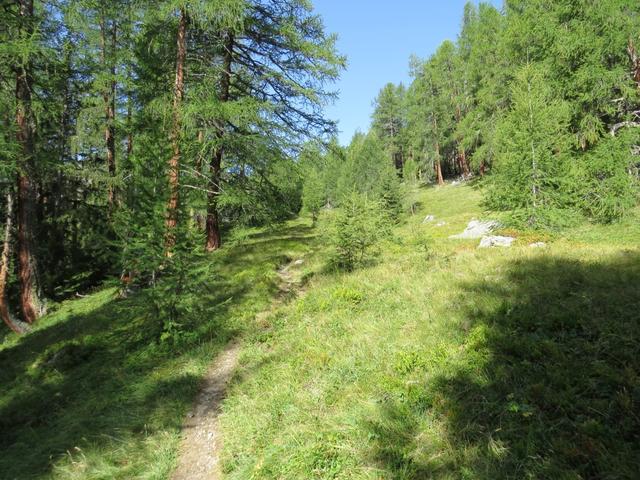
(445, 361)
(92, 393)
(440, 361)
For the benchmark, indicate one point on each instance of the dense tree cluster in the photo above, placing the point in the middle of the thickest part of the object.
(131, 128)
(544, 96)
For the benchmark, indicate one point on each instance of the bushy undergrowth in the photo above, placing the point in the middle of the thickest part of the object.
(356, 229)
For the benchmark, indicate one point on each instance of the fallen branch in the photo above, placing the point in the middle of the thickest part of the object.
(618, 126)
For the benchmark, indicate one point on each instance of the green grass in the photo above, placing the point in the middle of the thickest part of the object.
(438, 361)
(93, 393)
(445, 361)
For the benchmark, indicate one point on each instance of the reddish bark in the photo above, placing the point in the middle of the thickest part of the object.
(438, 168)
(462, 155)
(174, 161)
(462, 161)
(29, 301)
(4, 270)
(213, 239)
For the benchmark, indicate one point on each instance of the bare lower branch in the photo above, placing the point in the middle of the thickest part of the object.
(618, 126)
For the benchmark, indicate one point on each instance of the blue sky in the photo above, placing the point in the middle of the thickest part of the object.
(378, 37)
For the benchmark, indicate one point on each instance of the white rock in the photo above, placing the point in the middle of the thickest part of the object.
(538, 245)
(496, 241)
(441, 224)
(429, 218)
(478, 229)
(298, 262)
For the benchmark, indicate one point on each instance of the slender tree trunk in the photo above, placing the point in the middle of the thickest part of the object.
(213, 239)
(129, 129)
(27, 272)
(174, 162)
(109, 98)
(437, 161)
(462, 155)
(4, 270)
(438, 166)
(462, 158)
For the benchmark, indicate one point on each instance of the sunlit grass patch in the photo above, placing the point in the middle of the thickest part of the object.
(441, 360)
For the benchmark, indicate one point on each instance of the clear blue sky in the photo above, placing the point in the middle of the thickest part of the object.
(378, 37)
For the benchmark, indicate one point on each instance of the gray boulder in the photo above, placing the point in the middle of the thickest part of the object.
(478, 229)
(496, 241)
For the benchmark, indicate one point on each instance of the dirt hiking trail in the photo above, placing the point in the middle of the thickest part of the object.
(199, 454)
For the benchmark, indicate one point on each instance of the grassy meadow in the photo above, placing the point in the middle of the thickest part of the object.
(439, 360)
(445, 361)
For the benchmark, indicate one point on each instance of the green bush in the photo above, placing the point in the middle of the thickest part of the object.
(356, 229)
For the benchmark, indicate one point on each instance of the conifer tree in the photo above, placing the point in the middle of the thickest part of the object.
(389, 121)
(532, 172)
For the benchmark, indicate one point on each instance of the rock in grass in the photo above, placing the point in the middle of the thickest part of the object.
(538, 245)
(429, 219)
(496, 241)
(478, 229)
(441, 224)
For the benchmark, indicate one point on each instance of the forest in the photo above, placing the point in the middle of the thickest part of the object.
(198, 280)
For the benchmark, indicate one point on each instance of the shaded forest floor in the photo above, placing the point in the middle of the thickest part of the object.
(439, 360)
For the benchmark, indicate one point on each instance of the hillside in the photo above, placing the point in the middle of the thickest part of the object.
(439, 360)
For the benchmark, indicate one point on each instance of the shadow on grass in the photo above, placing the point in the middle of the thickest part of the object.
(546, 386)
(100, 381)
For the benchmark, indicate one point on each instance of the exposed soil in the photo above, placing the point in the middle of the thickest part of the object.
(201, 443)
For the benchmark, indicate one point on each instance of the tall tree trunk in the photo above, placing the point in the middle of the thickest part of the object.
(129, 129)
(213, 239)
(438, 166)
(110, 133)
(27, 272)
(4, 270)
(174, 162)
(462, 160)
(109, 97)
(462, 155)
(437, 161)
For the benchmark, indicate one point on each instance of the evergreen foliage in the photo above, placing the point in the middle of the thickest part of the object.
(355, 230)
(150, 123)
(541, 96)
(532, 171)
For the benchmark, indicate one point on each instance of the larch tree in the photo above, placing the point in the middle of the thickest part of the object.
(532, 172)
(30, 301)
(389, 121)
(275, 65)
